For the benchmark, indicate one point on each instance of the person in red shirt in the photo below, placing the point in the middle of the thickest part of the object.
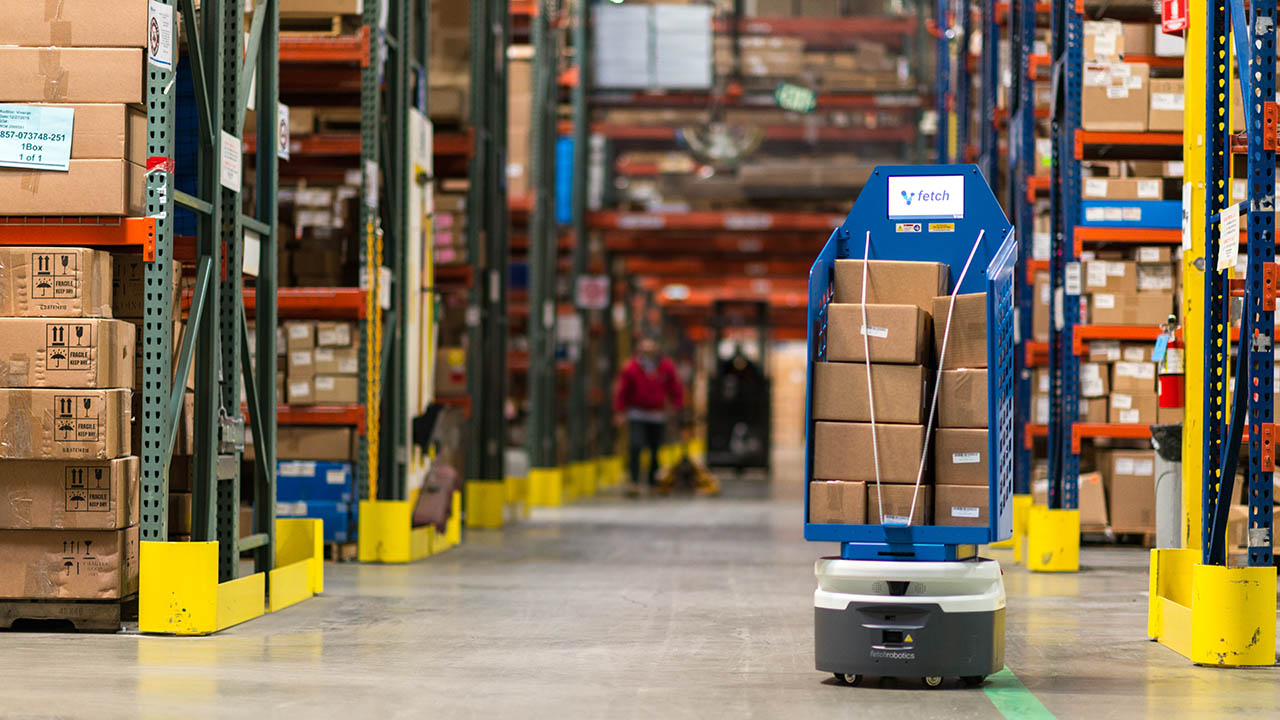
(647, 389)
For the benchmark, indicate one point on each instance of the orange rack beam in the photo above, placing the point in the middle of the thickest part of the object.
(1090, 137)
(1035, 184)
(322, 415)
(316, 49)
(1033, 431)
(1037, 353)
(1158, 236)
(106, 232)
(714, 220)
(1035, 266)
(318, 303)
(1123, 431)
(1138, 333)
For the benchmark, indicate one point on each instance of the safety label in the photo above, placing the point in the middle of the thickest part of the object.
(88, 489)
(37, 138)
(75, 419)
(68, 346)
(54, 276)
(965, 458)
(965, 512)
(876, 332)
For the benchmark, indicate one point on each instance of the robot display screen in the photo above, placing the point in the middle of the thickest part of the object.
(926, 196)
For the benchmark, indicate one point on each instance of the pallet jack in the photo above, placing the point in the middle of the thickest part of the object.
(906, 600)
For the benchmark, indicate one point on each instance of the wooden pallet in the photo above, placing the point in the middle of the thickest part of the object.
(98, 616)
(341, 552)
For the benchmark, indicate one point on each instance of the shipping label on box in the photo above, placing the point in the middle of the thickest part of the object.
(962, 457)
(54, 282)
(86, 353)
(50, 494)
(334, 334)
(336, 390)
(337, 361)
(1133, 377)
(893, 333)
(1093, 380)
(64, 424)
(300, 335)
(892, 504)
(68, 564)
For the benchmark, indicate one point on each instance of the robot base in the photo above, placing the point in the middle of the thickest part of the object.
(902, 619)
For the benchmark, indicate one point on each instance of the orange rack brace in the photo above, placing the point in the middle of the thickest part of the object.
(102, 232)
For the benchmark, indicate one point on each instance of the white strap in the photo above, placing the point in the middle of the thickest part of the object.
(942, 356)
(866, 354)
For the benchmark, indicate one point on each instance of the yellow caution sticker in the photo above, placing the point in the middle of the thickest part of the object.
(942, 227)
(908, 639)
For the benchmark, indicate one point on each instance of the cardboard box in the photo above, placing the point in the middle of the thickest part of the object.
(90, 187)
(1103, 41)
(844, 503)
(895, 333)
(1138, 40)
(961, 456)
(71, 75)
(106, 131)
(74, 23)
(1156, 278)
(320, 8)
(842, 451)
(1130, 188)
(451, 371)
(1040, 308)
(180, 514)
(54, 282)
(45, 424)
(300, 389)
(300, 335)
(301, 364)
(1111, 276)
(1136, 309)
(840, 392)
(961, 505)
(896, 501)
(1133, 377)
(967, 338)
(1167, 103)
(295, 442)
(129, 288)
(1130, 476)
(1168, 416)
(334, 334)
(1133, 408)
(60, 353)
(1093, 380)
(1115, 97)
(1092, 503)
(336, 389)
(336, 361)
(68, 564)
(892, 282)
(54, 495)
(1094, 410)
(962, 398)
(1104, 351)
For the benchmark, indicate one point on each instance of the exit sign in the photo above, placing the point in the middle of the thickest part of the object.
(1173, 16)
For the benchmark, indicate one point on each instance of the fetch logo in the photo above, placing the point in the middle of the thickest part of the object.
(908, 197)
(926, 196)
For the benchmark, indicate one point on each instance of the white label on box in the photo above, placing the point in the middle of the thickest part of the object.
(1150, 189)
(1095, 274)
(965, 512)
(1139, 370)
(300, 388)
(1131, 213)
(299, 332)
(232, 166)
(252, 251)
(1059, 316)
(1095, 187)
(1134, 82)
(966, 458)
(1104, 301)
(300, 357)
(1044, 382)
(159, 34)
(1094, 214)
(1045, 289)
(1228, 237)
(896, 519)
(1116, 92)
(1042, 411)
(1112, 214)
(1040, 246)
(1186, 216)
(1135, 354)
(297, 468)
(1144, 468)
(36, 138)
(325, 383)
(1168, 101)
(1104, 45)
(1115, 269)
(1124, 466)
(348, 366)
(1120, 401)
(1095, 76)
(1090, 371)
(1239, 191)
(876, 332)
(1130, 416)
(324, 355)
(1104, 350)
(335, 476)
(1071, 279)
(1091, 386)
(286, 509)
(1148, 254)
(1120, 70)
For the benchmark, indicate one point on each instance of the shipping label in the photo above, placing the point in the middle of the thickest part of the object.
(36, 137)
(965, 512)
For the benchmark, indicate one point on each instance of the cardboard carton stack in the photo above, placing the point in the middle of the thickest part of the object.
(86, 57)
(322, 363)
(961, 445)
(899, 335)
(69, 525)
(1129, 477)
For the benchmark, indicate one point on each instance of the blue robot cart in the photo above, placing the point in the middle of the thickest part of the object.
(944, 233)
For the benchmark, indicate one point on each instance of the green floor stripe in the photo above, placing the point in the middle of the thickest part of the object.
(1013, 699)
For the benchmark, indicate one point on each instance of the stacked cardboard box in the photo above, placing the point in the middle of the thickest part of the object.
(68, 527)
(898, 335)
(962, 445)
(318, 489)
(322, 363)
(1129, 476)
(86, 57)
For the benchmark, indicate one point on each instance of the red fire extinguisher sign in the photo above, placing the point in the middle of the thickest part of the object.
(1173, 16)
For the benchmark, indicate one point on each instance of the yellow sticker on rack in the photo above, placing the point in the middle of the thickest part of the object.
(942, 227)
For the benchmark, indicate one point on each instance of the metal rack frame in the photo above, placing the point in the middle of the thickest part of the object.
(1022, 126)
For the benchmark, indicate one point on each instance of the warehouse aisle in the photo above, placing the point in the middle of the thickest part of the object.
(671, 608)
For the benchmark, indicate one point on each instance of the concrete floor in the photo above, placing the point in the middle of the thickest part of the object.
(658, 608)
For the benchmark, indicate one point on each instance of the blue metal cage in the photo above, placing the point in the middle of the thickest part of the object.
(946, 240)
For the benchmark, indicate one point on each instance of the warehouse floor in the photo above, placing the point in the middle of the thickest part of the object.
(667, 608)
